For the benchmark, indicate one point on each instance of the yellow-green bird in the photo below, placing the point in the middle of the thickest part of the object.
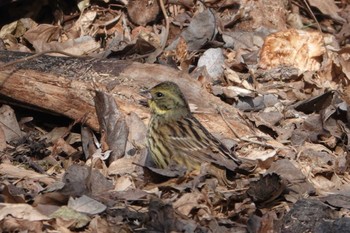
(175, 136)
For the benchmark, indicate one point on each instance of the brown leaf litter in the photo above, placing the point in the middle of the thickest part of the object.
(281, 70)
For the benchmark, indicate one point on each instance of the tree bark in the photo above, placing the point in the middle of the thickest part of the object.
(67, 86)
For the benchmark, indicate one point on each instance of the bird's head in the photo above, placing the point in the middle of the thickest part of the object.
(168, 100)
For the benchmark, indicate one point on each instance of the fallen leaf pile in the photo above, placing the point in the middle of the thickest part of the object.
(283, 66)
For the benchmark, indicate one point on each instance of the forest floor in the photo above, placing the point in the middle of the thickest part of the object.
(280, 69)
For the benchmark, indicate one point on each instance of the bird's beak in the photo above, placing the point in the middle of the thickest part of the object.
(146, 93)
(148, 97)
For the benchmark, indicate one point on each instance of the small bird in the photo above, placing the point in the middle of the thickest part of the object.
(176, 137)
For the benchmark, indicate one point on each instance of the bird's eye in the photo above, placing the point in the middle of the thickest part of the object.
(159, 94)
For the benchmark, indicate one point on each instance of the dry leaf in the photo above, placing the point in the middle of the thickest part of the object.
(327, 7)
(113, 123)
(296, 48)
(22, 173)
(213, 60)
(87, 205)
(9, 124)
(22, 211)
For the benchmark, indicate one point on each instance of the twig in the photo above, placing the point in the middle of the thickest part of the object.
(312, 15)
(151, 58)
(228, 124)
(167, 23)
(105, 24)
(264, 144)
(244, 139)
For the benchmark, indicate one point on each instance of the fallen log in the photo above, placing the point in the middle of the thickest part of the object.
(67, 85)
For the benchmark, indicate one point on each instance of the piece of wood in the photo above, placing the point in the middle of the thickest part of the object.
(67, 86)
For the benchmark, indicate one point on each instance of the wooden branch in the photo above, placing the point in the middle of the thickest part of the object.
(67, 86)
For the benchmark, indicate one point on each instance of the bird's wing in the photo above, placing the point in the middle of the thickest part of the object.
(188, 137)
